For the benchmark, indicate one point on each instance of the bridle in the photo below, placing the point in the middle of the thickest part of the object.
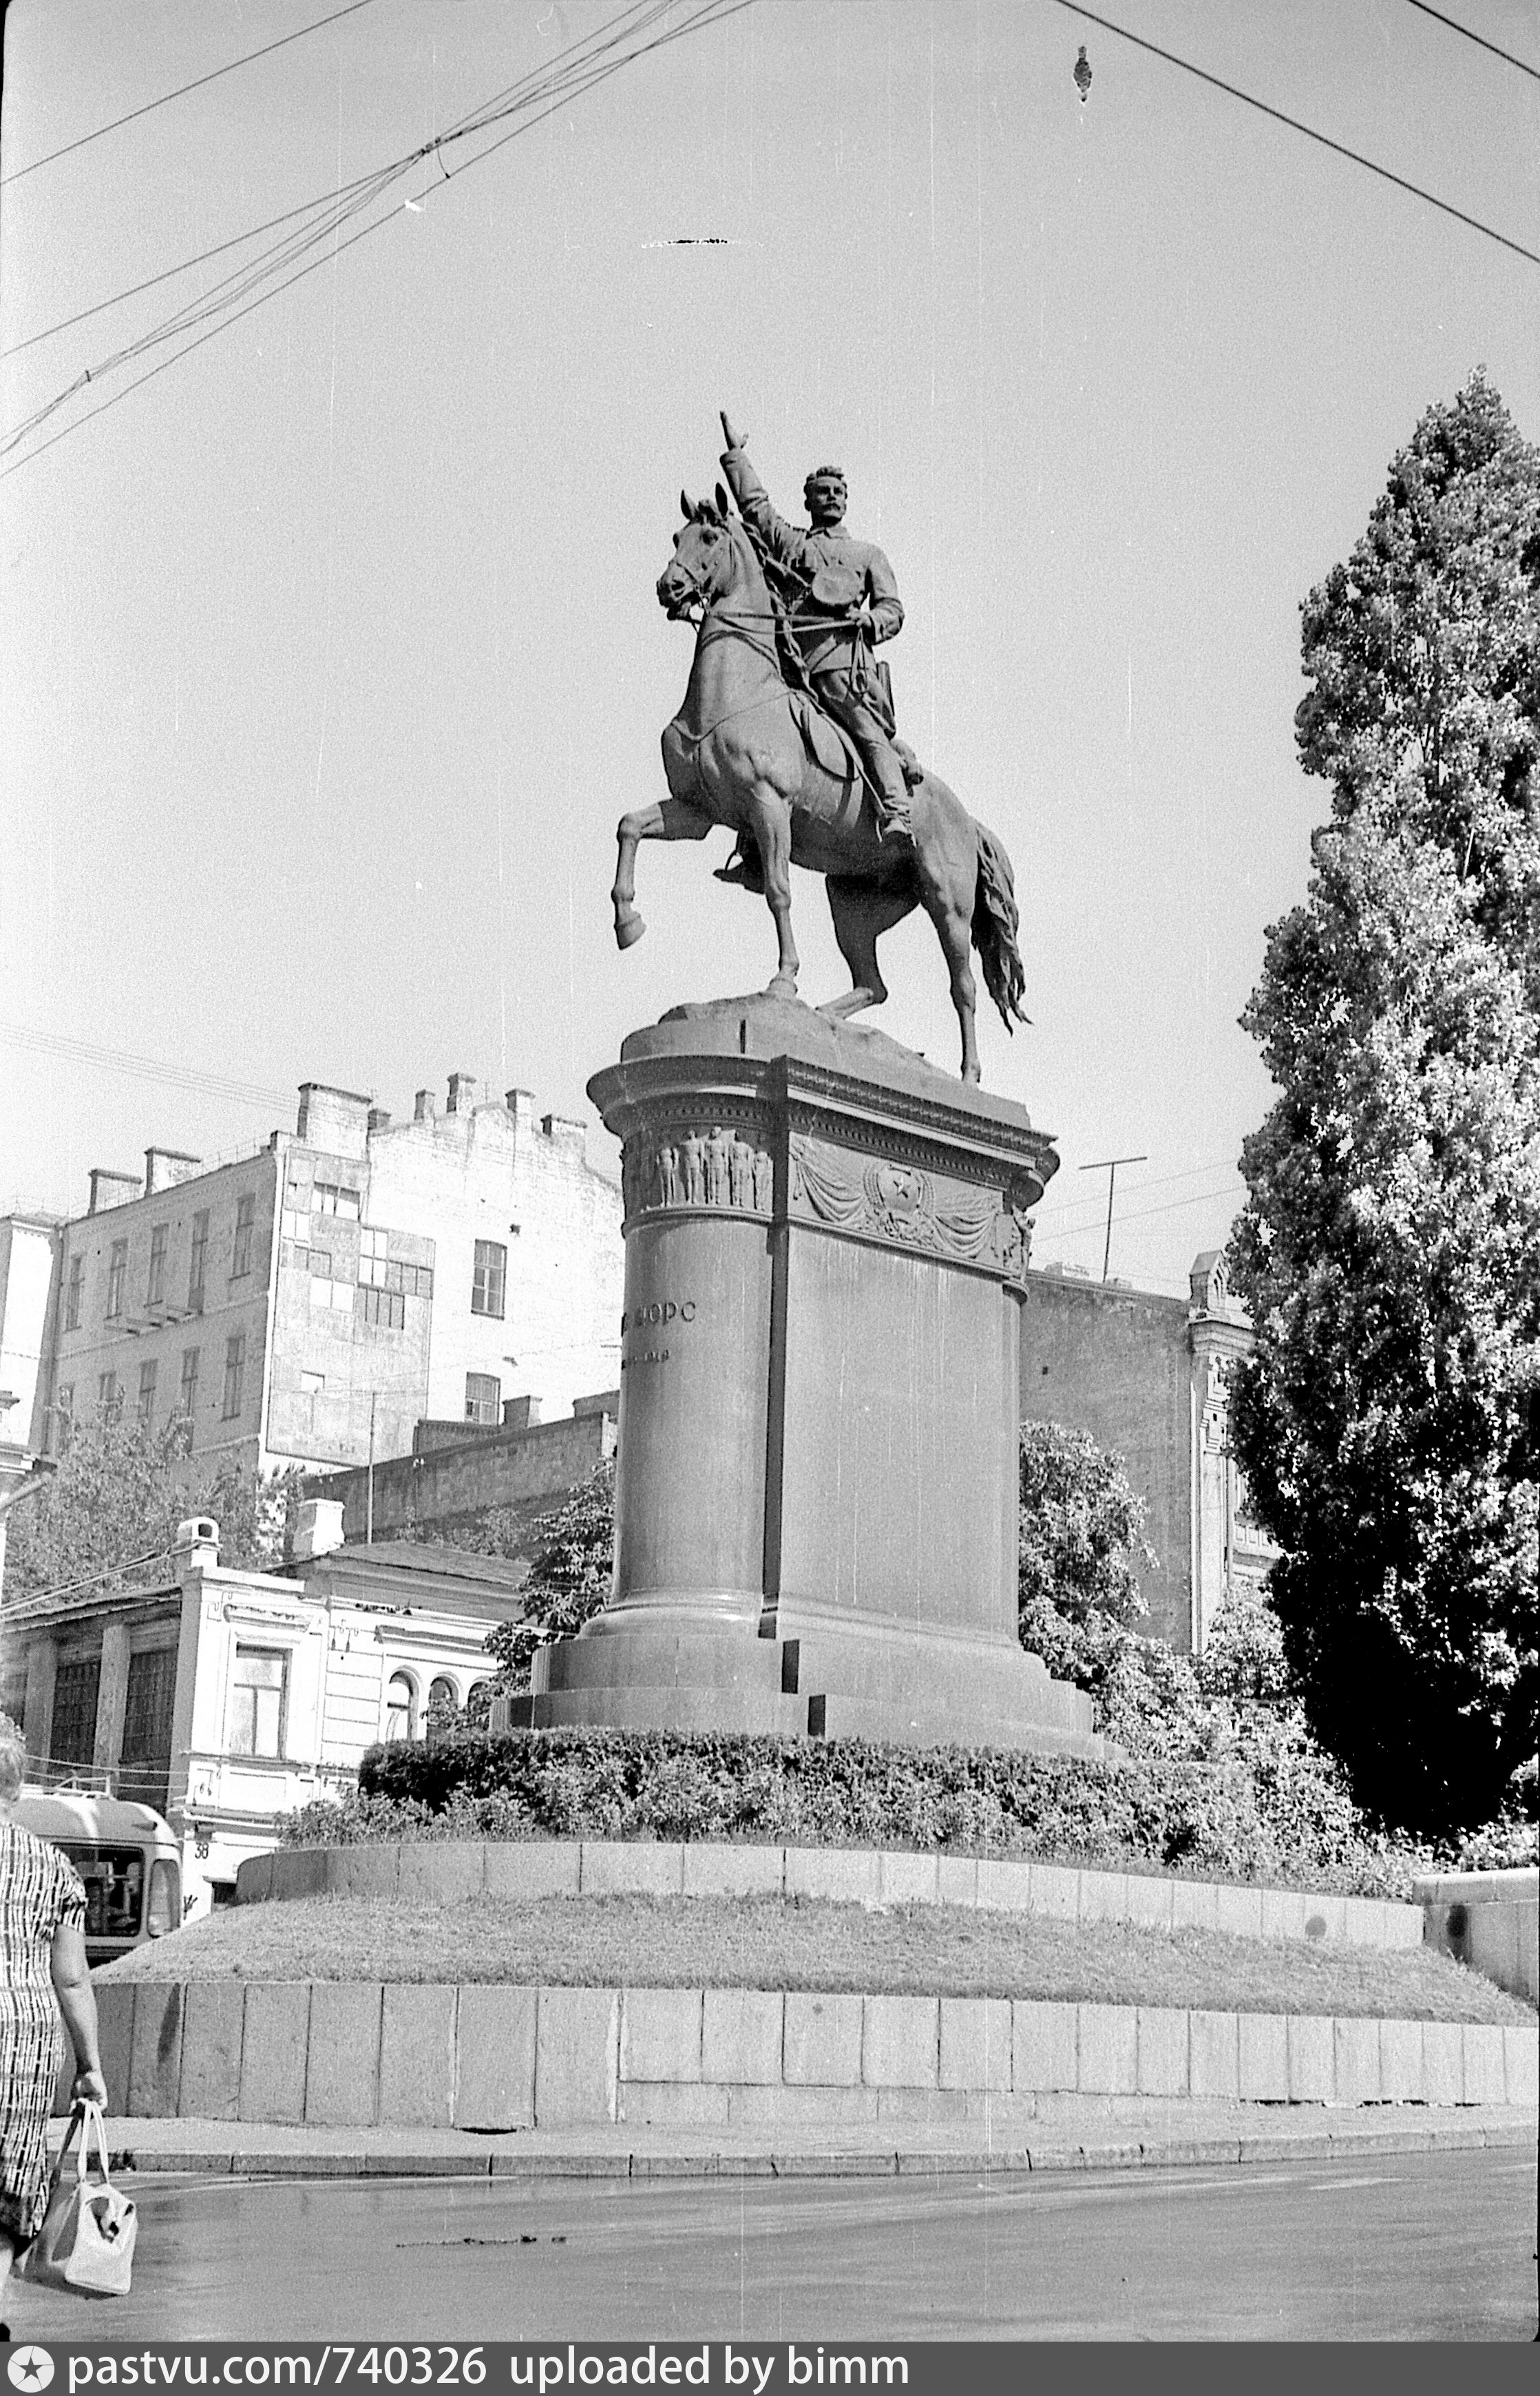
(718, 623)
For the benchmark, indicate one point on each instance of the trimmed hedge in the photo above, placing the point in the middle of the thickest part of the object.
(1210, 1819)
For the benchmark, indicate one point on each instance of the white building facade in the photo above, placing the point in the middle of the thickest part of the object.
(226, 1699)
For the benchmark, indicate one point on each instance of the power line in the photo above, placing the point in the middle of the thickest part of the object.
(89, 1580)
(185, 266)
(145, 1068)
(1295, 125)
(1152, 1181)
(556, 84)
(197, 84)
(1480, 39)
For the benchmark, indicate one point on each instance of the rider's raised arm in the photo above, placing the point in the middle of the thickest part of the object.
(784, 540)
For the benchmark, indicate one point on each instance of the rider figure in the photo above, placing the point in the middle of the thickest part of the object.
(849, 603)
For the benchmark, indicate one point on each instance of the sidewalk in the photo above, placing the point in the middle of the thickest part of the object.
(1069, 2135)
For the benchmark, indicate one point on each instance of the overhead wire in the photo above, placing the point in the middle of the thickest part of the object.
(1297, 124)
(587, 63)
(148, 1069)
(149, 106)
(1480, 39)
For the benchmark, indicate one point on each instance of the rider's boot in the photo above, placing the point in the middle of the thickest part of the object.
(889, 792)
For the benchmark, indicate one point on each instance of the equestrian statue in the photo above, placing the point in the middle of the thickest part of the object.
(788, 737)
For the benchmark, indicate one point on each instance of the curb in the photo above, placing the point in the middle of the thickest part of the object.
(1044, 2155)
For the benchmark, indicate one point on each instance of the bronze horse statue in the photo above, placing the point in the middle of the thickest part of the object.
(749, 752)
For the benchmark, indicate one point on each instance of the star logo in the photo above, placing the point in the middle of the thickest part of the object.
(30, 2367)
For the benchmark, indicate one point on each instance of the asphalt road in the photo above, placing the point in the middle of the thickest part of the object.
(1398, 2246)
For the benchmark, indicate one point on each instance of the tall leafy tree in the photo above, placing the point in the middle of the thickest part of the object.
(1389, 1249)
(107, 1518)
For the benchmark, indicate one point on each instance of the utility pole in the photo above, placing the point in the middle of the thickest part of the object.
(1109, 1165)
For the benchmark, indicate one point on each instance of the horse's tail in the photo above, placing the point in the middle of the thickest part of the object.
(995, 922)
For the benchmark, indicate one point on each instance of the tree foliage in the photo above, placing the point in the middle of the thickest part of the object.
(1389, 1248)
(569, 1579)
(109, 1514)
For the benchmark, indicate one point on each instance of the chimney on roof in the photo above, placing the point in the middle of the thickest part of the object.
(335, 1120)
(380, 1118)
(462, 1092)
(521, 1414)
(164, 1167)
(196, 1545)
(110, 1189)
(318, 1529)
(424, 1106)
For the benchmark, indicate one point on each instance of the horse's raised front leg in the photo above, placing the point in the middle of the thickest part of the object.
(668, 819)
(862, 914)
(770, 819)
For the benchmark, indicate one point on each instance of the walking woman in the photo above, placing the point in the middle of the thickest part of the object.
(42, 1957)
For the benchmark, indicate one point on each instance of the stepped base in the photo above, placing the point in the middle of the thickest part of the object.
(816, 1679)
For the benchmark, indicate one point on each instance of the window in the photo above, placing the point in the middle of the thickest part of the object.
(337, 1198)
(234, 1375)
(258, 1701)
(76, 1685)
(443, 1704)
(417, 1280)
(311, 1384)
(245, 1223)
(200, 1259)
(399, 1702)
(189, 1398)
(488, 1278)
(320, 1263)
(386, 1309)
(155, 1288)
(146, 1718)
(483, 1398)
(74, 1294)
(64, 1417)
(147, 1390)
(108, 1398)
(117, 1273)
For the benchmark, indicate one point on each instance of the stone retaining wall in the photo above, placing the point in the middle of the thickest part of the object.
(490, 2057)
(1489, 1920)
(439, 1871)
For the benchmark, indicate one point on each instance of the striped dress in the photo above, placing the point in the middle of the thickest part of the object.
(39, 1888)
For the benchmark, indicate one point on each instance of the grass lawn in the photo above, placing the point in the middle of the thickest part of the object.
(775, 1943)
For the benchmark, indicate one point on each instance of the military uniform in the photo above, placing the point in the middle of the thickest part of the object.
(838, 572)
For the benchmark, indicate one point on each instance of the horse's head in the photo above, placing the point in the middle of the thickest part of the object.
(709, 560)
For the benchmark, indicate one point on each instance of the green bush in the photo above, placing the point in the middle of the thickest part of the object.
(1239, 1822)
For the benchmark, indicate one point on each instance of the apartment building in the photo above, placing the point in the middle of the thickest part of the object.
(310, 1303)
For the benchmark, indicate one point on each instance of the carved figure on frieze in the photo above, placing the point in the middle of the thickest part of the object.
(691, 1158)
(764, 1182)
(719, 1151)
(740, 1172)
(669, 1187)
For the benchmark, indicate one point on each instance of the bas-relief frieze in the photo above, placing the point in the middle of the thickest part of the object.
(905, 1206)
(707, 1166)
(714, 1168)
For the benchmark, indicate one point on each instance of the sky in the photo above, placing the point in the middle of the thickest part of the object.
(332, 653)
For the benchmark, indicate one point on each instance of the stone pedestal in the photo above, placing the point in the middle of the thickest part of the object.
(816, 1496)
